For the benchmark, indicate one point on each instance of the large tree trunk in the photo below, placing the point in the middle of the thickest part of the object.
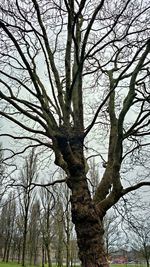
(89, 227)
(85, 215)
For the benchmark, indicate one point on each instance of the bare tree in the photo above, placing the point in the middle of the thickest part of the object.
(57, 55)
(139, 231)
(17, 238)
(59, 229)
(112, 233)
(7, 222)
(34, 238)
(46, 222)
(67, 223)
(62, 193)
(2, 172)
(28, 176)
(93, 176)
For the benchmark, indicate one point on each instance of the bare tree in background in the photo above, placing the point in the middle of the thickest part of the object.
(70, 69)
(28, 176)
(139, 236)
(2, 172)
(112, 233)
(17, 238)
(59, 230)
(7, 223)
(93, 176)
(34, 238)
(46, 222)
(68, 226)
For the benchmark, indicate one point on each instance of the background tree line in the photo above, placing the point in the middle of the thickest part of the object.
(36, 227)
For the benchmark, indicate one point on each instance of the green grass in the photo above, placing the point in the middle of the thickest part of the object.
(14, 264)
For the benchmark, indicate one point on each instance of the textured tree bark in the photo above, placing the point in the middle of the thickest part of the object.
(89, 227)
(85, 215)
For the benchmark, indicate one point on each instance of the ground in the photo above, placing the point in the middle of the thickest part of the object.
(13, 264)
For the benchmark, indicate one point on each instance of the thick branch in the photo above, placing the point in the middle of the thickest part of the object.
(134, 187)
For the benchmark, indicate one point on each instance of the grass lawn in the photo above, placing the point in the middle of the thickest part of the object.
(11, 264)
(14, 264)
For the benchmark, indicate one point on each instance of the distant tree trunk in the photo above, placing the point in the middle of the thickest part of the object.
(1, 253)
(28, 175)
(43, 256)
(36, 257)
(19, 252)
(59, 256)
(13, 252)
(5, 250)
(147, 262)
(146, 254)
(60, 244)
(8, 249)
(68, 244)
(24, 238)
(49, 256)
(46, 254)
